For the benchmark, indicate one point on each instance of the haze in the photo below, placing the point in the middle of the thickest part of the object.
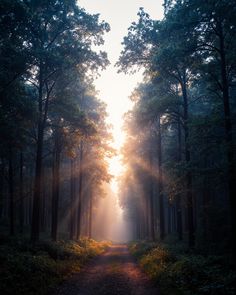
(115, 88)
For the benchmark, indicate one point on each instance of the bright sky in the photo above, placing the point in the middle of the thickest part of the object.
(115, 88)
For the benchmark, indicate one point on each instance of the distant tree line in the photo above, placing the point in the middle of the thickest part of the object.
(54, 141)
(180, 149)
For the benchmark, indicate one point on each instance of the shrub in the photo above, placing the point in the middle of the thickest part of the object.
(140, 248)
(33, 269)
(178, 272)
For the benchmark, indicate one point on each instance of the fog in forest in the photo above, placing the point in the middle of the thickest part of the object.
(118, 124)
(109, 221)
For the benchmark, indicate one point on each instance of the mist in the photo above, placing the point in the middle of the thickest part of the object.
(109, 222)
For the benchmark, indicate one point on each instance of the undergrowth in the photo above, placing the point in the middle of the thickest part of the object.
(36, 269)
(178, 271)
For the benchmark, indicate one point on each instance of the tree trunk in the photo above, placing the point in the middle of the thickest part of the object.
(169, 219)
(146, 217)
(72, 199)
(30, 188)
(90, 214)
(55, 187)
(160, 180)
(189, 195)
(178, 197)
(80, 191)
(21, 193)
(2, 198)
(151, 195)
(179, 220)
(38, 166)
(43, 214)
(37, 188)
(11, 193)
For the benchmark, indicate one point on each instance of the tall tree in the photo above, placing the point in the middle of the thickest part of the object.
(57, 42)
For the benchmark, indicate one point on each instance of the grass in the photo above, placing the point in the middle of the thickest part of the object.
(179, 272)
(36, 269)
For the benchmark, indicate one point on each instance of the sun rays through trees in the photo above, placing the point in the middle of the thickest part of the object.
(124, 141)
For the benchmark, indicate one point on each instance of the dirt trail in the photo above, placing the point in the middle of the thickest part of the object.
(113, 273)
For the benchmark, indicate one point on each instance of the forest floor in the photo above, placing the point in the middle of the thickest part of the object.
(113, 273)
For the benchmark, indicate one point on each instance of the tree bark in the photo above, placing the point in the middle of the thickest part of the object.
(160, 180)
(151, 195)
(72, 199)
(80, 191)
(189, 195)
(178, 197)
(90, 214)
(38, 166)
(11, 192)
(55, 187)
(2, 199)
(21, 193)
(43, 208)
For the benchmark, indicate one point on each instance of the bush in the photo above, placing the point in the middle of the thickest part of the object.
(138, 249)
(177, 272)
(34, 269)
(203, 275)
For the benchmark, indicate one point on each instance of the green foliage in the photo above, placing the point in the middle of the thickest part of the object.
(34, 269)
(141, 248)
(202, 275)
(183, 273)
(181, 130)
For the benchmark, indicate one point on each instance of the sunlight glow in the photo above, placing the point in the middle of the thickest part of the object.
(115, 88)
(116, 169)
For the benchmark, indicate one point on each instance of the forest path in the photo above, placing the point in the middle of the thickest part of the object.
(112, 273)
